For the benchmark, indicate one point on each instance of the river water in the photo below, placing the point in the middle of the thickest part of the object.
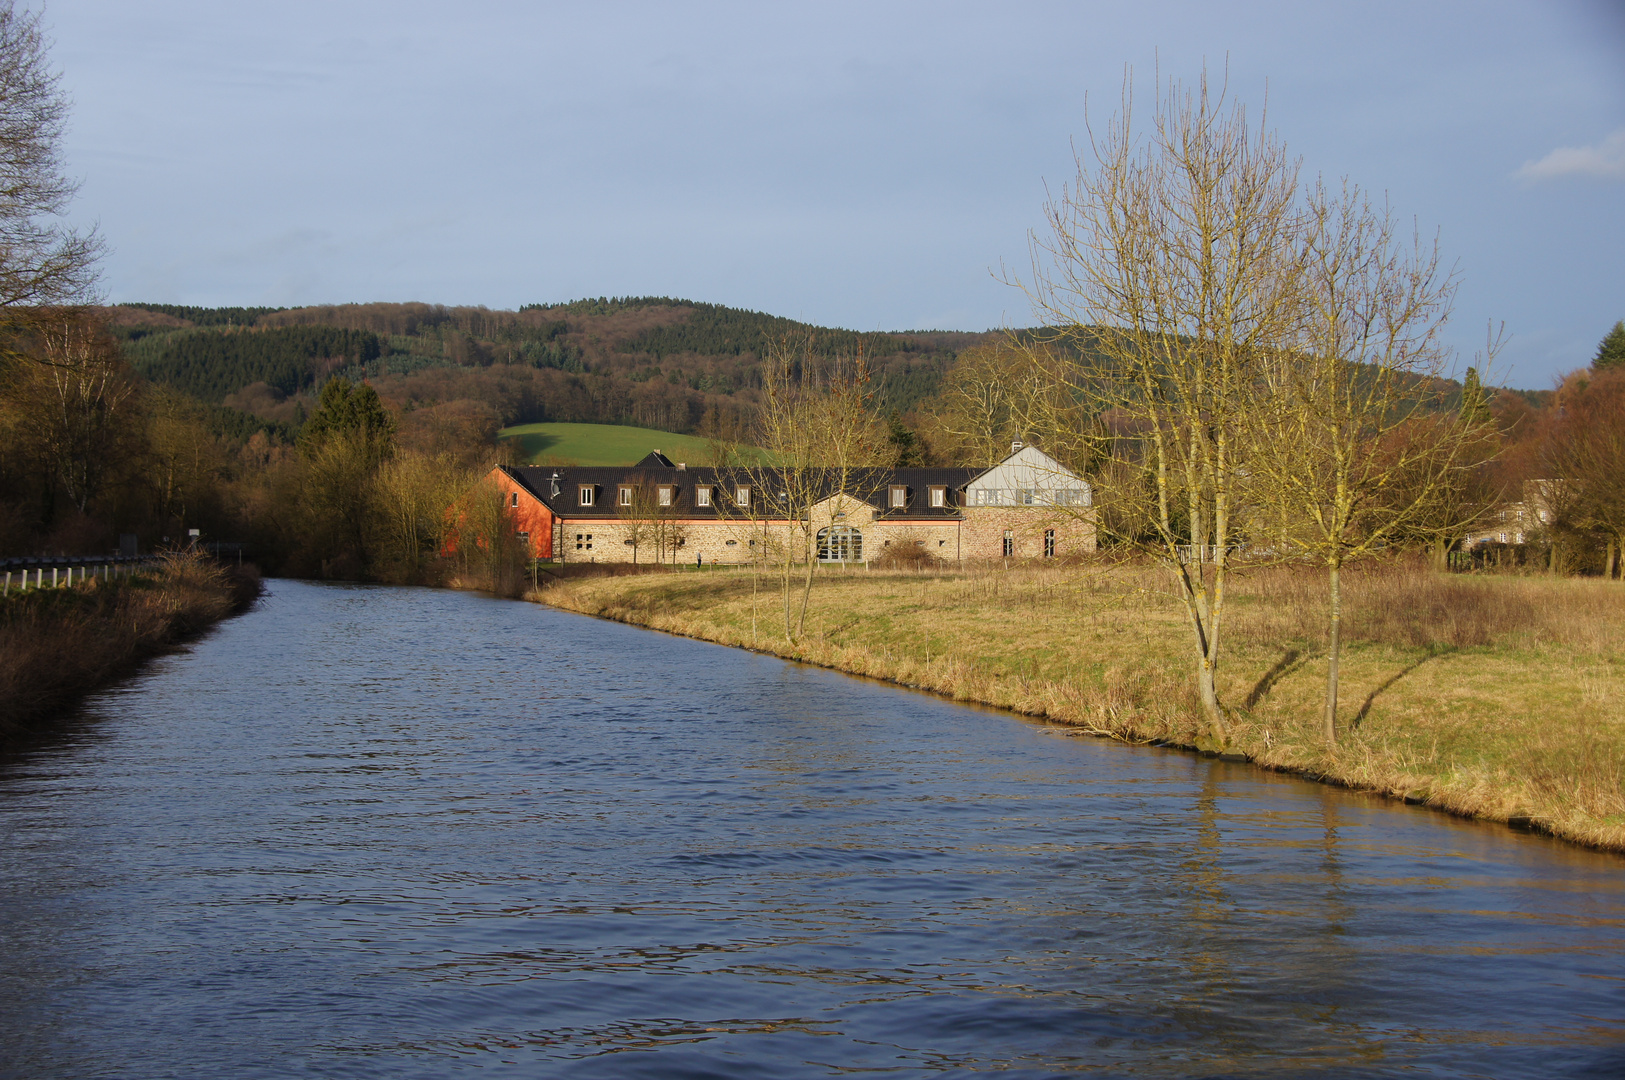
(387, 832)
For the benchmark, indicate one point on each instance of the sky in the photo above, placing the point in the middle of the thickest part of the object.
(875, 166)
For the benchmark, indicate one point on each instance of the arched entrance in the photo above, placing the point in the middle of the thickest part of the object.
(840, 543)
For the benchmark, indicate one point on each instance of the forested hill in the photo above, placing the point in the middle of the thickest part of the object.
(656, 362)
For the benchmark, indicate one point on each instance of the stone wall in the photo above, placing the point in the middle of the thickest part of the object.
(984, 529)
(979, 537)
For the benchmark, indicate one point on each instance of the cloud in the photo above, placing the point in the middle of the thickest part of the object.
(1606, 159)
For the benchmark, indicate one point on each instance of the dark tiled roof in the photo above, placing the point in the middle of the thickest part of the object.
(871, 486)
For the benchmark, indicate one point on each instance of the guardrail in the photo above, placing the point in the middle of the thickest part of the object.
(30, 571)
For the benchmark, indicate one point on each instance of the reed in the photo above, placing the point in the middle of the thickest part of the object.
(57, 645)
(1491, 697)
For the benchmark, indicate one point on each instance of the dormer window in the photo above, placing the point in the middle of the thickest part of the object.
(939, 497)
(666, 493)
(702, 496)
(899, 497)
(742, 495)
(585, 495)
(626, 495)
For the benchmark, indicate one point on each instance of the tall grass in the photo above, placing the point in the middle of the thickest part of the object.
(56, 645)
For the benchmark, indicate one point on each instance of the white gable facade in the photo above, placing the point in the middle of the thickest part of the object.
(1028, 506)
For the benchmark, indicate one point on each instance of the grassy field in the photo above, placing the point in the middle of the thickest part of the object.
(1497, 698)
(599, 444)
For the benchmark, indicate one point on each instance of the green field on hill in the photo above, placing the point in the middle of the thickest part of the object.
(600, 444)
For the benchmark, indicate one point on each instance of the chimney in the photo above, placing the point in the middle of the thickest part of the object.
(1015, 446)
(683, 465)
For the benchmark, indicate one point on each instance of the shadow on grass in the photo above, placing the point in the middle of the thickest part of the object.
(1371, 698)
(533, 445)
(1290, 661)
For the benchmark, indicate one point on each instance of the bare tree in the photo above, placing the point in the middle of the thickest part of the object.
(415, 493)
(821, 440)
(77, 402)
(646, 521)
(1353, 442)
(43, 262)
(1585, 454)
(1008, 391)
(1170, 268)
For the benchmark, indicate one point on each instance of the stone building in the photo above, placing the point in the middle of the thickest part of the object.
(1028, 506)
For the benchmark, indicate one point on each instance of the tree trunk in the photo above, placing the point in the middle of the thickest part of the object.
(1334, 650)
(806, 592)
(1608, 568)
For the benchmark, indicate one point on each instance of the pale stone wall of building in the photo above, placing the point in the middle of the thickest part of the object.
(984, 529)
(938, 538)
(683, 541)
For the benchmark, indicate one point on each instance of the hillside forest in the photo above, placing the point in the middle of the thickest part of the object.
(334, 440)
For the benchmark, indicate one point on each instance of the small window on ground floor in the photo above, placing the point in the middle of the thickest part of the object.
(1009, 543)
(1049, 543)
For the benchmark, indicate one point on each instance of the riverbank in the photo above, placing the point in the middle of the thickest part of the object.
(57, 645)
(1494, 698)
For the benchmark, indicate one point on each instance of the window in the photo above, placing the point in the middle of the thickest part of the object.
(939, 497)
(1009, 543)
(585, 497)
(515, 499)
(1503, 538)
(702, 496)
(840, 543)
(665, 494)
(583, 542)
(1049, 543)
(626, 495)
(1026, 496)
(742, 495)
(524, 538)
(899, 497)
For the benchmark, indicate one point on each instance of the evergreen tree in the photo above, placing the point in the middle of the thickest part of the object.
(348, 410)
(908, 448)
(1611, 350)
(1475, 403)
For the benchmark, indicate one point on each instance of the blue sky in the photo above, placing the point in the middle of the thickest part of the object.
(866, 165)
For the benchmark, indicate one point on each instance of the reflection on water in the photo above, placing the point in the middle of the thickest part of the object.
(374, 832)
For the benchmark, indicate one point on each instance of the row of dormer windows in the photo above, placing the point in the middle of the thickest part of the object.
(665, 495)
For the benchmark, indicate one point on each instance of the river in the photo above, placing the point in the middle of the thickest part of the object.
(395, 832)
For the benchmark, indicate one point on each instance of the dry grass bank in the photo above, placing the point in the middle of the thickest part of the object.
(1493, 697)
(57, 645)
